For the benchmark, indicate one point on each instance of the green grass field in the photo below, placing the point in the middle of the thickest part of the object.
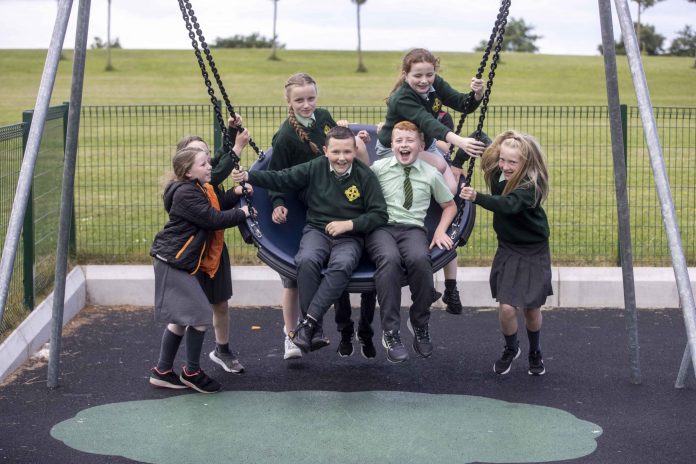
(173, 76)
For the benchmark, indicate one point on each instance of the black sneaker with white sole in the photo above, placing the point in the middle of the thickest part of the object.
(536, 363)
(200, 381)
(367, 348)
(396, 351)
(345, 346)
(422, 344)
(502, 366)
(166, 379)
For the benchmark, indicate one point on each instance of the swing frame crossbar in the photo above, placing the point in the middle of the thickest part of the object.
(21, 197)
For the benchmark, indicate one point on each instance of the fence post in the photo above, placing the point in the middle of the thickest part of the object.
(623, 109)
(28, 227)
(72, 245)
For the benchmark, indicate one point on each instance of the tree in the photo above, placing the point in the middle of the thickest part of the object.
(108, 67)
(274, 56)
(518, 37)
(684, 44)
(361, 66)
(642, 6)
(652, 41)
(253, 40)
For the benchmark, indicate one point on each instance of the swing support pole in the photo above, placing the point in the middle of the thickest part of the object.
(67, 194)
(622, 206)
(669, 216)
(31, 153)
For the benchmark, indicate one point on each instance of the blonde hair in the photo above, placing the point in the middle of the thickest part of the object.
(299, 80)
(416, 55)
(532, 172)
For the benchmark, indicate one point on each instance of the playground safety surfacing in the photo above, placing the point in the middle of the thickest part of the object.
(451, 408)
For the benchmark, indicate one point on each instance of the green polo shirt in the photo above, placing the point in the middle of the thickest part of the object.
(426, 181)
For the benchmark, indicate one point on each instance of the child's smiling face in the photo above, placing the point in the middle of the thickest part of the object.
(406, 145)
(201, 169)
(303, 99)
(340, 153)
(509, 160)
(421, 76)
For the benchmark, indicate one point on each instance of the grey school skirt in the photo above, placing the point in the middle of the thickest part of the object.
(521, 274)
(179, 298)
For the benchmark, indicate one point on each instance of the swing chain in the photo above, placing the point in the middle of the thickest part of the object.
(191, 22)
(496, 37)
(500, 23)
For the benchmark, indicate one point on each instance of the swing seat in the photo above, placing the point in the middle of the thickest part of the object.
(280, 242)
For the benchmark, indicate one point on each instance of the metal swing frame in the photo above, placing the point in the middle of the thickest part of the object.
(648, 121)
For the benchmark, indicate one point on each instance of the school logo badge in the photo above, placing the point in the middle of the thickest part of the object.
(437, 105)
(352, 193)
(326, 129)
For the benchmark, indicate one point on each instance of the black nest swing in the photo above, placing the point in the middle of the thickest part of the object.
(278, 244)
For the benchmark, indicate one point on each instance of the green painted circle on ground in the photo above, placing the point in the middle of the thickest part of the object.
(307, 427)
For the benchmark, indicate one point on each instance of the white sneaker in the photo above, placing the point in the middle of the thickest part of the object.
(291, 350)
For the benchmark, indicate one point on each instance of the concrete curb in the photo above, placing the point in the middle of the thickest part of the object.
(35, 330)
(574, 287)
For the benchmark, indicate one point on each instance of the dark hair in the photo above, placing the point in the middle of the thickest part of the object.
(339, 133)
(299, 80)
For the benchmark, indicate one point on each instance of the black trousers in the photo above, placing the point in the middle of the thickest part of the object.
(392, 248)
(344, 323)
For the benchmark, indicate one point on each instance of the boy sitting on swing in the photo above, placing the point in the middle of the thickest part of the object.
(344, 202)
(408, 183)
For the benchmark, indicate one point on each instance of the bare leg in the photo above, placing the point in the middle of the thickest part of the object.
(362, 151)
(176, 329)
(291, 308)
(439, 162)
(533, 319)
(221, 322)
(507, 315)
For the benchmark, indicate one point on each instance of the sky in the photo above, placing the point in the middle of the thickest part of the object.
(567, 27)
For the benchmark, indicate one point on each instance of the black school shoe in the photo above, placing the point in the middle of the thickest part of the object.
(319, 340)
(200, 381)
(452, 301)
(304, 333)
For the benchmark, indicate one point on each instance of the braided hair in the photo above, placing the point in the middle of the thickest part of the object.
(299, 80)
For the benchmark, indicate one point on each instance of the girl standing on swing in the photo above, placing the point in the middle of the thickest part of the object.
(418, 97)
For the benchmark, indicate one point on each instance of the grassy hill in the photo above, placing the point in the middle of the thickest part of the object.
(173, 76)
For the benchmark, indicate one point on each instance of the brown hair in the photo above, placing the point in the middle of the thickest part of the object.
(186, 140)
(532, 172)
(339, 133)
(299, 80)
(416, 55)
(182, 162)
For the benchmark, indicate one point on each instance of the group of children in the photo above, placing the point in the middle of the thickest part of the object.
(351, 206)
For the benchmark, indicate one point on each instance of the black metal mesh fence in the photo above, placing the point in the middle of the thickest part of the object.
(124, 151)
(10, 162)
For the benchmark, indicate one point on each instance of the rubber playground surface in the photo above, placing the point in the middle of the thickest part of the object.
(450, 408)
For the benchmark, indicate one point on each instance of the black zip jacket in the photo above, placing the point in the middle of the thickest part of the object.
(182, 241)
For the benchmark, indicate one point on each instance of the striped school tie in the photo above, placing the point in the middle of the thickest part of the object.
(408, 189)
